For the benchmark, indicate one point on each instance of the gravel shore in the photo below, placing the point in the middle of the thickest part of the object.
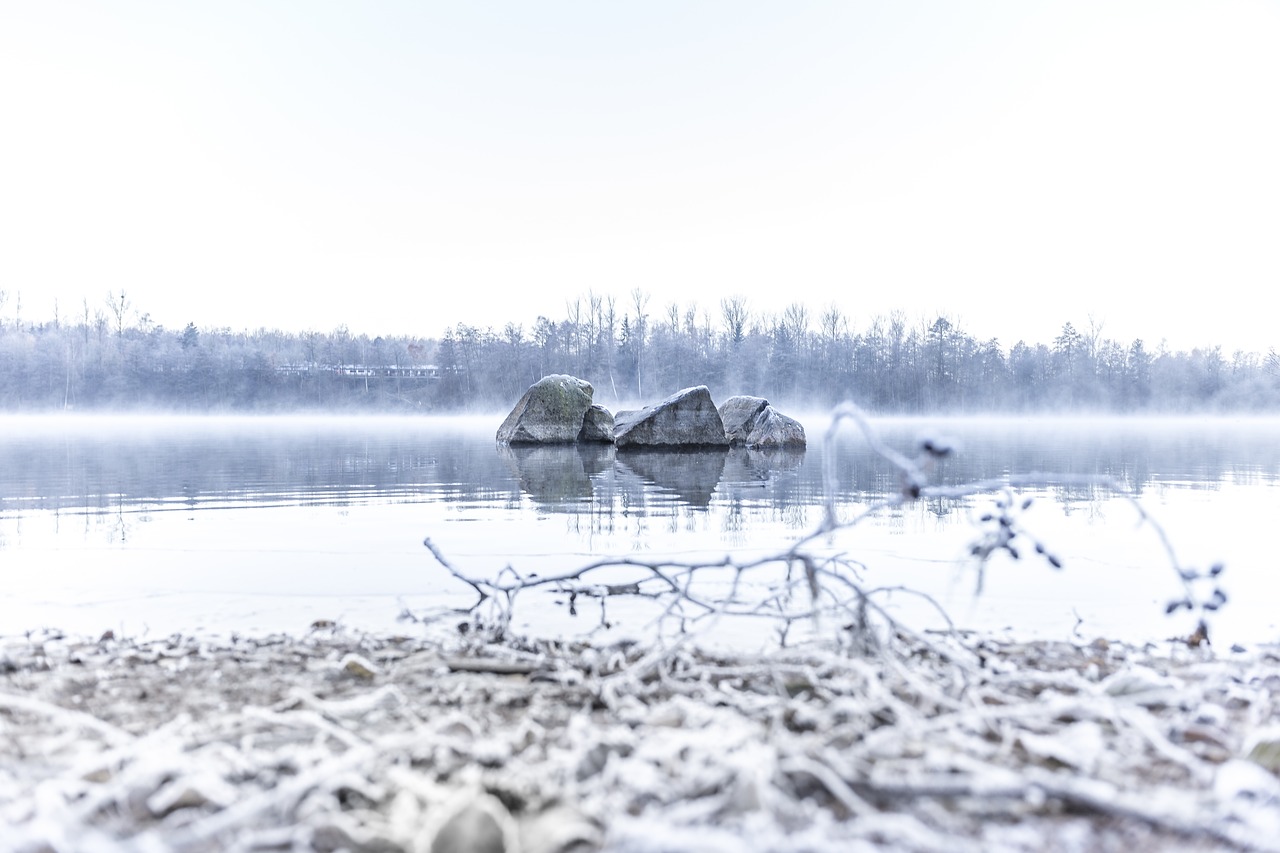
(337, 740)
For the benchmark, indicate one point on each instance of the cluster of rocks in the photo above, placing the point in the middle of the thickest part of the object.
(558, 409)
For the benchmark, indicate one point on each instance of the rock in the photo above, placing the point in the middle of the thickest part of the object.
(191, 791)
(358, 667)
(480, 826)
(1080, 745)
(774, 429)
(1263, 748)
(597, 426)
(552, 411)
(752, 422)
(739, 415)
(560, 829)
(687, 418)
(1142, 686)
(1245, 781)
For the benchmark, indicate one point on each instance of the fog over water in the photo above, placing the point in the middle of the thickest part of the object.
(162, 524)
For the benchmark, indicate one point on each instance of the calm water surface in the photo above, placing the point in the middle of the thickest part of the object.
(156, 525)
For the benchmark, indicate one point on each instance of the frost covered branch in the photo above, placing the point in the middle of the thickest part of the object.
(341, 740)
(808, 583)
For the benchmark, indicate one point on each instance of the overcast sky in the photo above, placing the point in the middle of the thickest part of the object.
(401, 166)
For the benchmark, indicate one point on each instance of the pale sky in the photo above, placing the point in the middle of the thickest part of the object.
(400, 166)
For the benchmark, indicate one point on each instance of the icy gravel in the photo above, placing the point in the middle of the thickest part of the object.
(337, 740)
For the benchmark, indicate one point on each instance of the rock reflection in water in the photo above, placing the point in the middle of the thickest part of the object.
(596, 458)
(691, 475)
(557, 475)
(768, 481)
(750, 467)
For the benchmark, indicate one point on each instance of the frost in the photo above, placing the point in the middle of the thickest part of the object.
(1250, 797)
(853, 731)
(1142, 686)
(685, 750)
(1264, 748)
(198, 789)
(358, 667)
(1080, 745)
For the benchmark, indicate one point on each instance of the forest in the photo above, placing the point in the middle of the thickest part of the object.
(112, 356)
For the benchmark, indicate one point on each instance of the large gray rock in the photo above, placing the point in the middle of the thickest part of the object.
(550, 412)
(687, 418)
(774, 429)
(597, 425)
(739, 415)
(752, 422)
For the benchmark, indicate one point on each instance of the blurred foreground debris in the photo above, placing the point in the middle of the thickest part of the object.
(335, 740)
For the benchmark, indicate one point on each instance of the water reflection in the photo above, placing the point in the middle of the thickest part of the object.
(564, 478)
(98, 465)
(690, 475)
(557, 476)
(1136, 453)
(749, 467)
(82, 465)
(339, 508)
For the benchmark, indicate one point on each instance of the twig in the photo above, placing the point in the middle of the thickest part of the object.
(66, 718)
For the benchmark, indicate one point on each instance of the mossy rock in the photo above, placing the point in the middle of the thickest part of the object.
(550, 412)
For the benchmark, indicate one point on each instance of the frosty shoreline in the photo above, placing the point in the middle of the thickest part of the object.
(335, 740)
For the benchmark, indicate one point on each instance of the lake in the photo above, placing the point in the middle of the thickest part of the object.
(157, 525)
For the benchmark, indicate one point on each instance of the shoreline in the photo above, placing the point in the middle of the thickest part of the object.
(337, 739)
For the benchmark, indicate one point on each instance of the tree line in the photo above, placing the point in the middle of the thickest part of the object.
(112, 356)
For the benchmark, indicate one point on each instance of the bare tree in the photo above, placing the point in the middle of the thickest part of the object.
(610, 329)
(574, 318)
(733, 311)
(833, 324)
(796, 318)
(639, 300)
(118, 304)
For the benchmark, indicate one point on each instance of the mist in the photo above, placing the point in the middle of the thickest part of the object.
(116, 359)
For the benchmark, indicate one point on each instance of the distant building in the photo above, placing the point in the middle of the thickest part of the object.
(368, 371)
